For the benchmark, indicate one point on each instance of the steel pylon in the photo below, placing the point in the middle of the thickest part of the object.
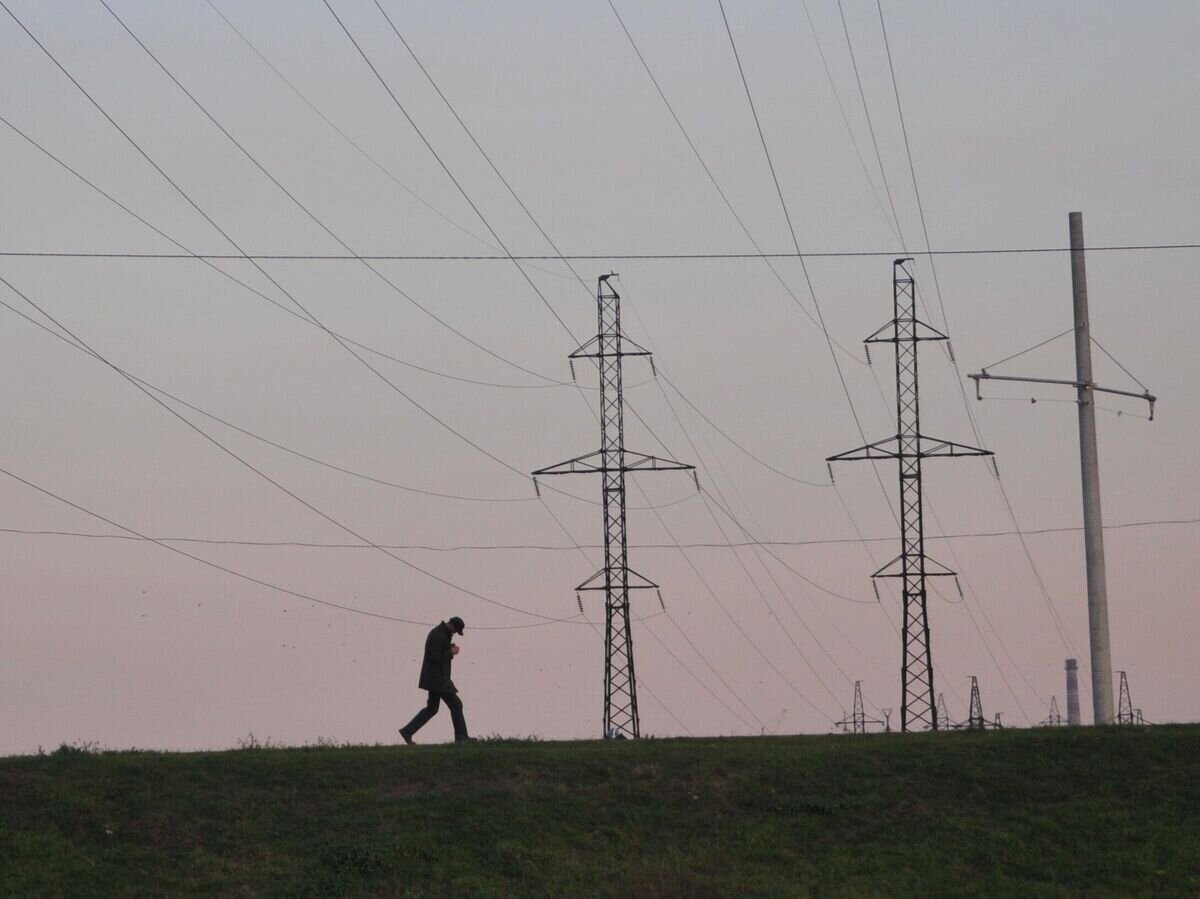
(909, 447)
(1055, 718)
(857, 721)
(975, 719)
(612, 461)
(1126, 714)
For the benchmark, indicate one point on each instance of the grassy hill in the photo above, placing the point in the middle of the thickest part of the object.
(1064, 812)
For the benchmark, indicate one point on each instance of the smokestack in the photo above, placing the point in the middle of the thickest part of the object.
(1072, 693)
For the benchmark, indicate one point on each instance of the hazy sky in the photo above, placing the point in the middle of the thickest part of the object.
(1016, 114)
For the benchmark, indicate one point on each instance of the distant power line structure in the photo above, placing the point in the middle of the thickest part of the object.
(975, 719)
(1126, 713)
(909, 447)
(612, 461)
(1054, 718)
(857, 721)
(1089, 468)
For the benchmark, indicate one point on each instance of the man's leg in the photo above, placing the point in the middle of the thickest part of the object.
(456, 715)
(422, 717)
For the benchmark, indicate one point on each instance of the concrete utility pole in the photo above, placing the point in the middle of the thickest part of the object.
(1089, 470)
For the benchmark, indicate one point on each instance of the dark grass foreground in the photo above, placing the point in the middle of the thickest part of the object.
(1066, 812)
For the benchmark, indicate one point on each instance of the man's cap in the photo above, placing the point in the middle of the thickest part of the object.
(456, 625)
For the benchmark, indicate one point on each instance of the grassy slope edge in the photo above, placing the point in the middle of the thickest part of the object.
(1051, 812)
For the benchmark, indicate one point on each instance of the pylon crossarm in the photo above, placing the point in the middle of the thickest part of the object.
(594, 462)
(932, 567)
(875, 450)
(933, 448)
(920, 331)
(593, 349)
(642, 462)
(587, 464)
(636, 581)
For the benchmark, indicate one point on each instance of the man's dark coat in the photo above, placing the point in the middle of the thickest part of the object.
(435, 667)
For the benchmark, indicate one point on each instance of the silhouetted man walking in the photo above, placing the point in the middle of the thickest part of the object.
(435, 677)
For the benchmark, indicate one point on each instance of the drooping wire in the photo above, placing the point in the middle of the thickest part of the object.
(251, 578)
(396, 100)
(712, 178)
(617, 256)
(353, 143)
(545, 547)
(259, 472)
(976, 430)
(301, 206)
(870, 125)
(845, 118)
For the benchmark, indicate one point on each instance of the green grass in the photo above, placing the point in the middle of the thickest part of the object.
(1064, 812)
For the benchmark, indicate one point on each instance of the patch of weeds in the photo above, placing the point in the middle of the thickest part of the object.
(252, 742)
(500, 738)
(79, 747)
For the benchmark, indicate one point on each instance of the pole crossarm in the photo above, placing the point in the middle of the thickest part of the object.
(915, 447)
(593, 463)
(985, 375)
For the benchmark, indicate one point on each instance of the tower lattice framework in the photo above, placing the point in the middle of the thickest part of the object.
(1126, 714)
(612, 461)
(909, 447)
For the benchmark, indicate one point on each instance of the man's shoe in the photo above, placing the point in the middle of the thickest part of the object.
(406, 736)
(464, 739)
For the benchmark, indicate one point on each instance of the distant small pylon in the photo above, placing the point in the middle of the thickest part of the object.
(1054, 719)
(1125, 710)
(975, 719)
(857, 721)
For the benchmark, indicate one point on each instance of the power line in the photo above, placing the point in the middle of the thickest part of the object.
(250, 578)
(975, 428)
(711, 177)
(551, 547)
(445, 168)
(870, 125)
(210, 262)
(301, 206)
(256, 264)
(353, 143)
(845, 118)
(509, 187)
(620, 256)
(259, 472)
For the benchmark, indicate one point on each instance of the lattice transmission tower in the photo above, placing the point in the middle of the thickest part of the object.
(975, 719)
(1055, 718)
(612, 462)
(1126, 714)
(857, 721)
(909, 447)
